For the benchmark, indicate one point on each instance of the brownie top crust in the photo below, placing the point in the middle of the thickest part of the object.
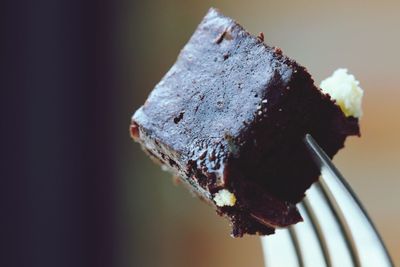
(220, 77)
(210, 82)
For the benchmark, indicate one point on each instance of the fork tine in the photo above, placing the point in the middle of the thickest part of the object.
(296, 246)
(279, 250)
(336, 231)
(306, 239)
(333, 241)
(363, 238)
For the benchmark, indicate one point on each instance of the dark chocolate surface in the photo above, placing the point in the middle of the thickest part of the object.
(231, 113)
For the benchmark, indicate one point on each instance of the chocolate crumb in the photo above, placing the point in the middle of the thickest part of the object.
(179, 117)
(224, 35)
(261, 36)
(278, 50)
(220, 37)
(226, 56)
(203, 154)
(134, 130)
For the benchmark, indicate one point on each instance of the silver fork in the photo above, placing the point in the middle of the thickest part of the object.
(336, 231)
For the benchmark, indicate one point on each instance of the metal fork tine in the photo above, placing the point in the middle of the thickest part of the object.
(336, 231)
(279, 250)
(296, 246)
(329, 230)
(364, 240)
(308, 242)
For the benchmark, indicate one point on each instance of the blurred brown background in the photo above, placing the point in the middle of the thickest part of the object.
(362, 36)
(80, 192)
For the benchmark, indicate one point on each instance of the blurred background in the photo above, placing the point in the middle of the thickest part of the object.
(79, 192)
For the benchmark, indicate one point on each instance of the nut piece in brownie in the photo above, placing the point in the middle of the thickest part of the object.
(229, 118)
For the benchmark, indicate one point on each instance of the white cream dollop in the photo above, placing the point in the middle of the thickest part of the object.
(224, 198)
(345, 90)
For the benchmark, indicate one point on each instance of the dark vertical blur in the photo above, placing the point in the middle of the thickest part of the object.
(59, 161)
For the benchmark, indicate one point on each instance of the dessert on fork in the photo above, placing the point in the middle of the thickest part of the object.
(229, 118)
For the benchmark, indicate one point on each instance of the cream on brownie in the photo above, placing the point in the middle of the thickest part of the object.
(229, 118)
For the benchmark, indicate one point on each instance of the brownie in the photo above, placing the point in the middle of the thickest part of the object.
(229, 119)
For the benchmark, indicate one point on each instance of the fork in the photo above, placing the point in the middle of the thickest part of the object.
(336, 231)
